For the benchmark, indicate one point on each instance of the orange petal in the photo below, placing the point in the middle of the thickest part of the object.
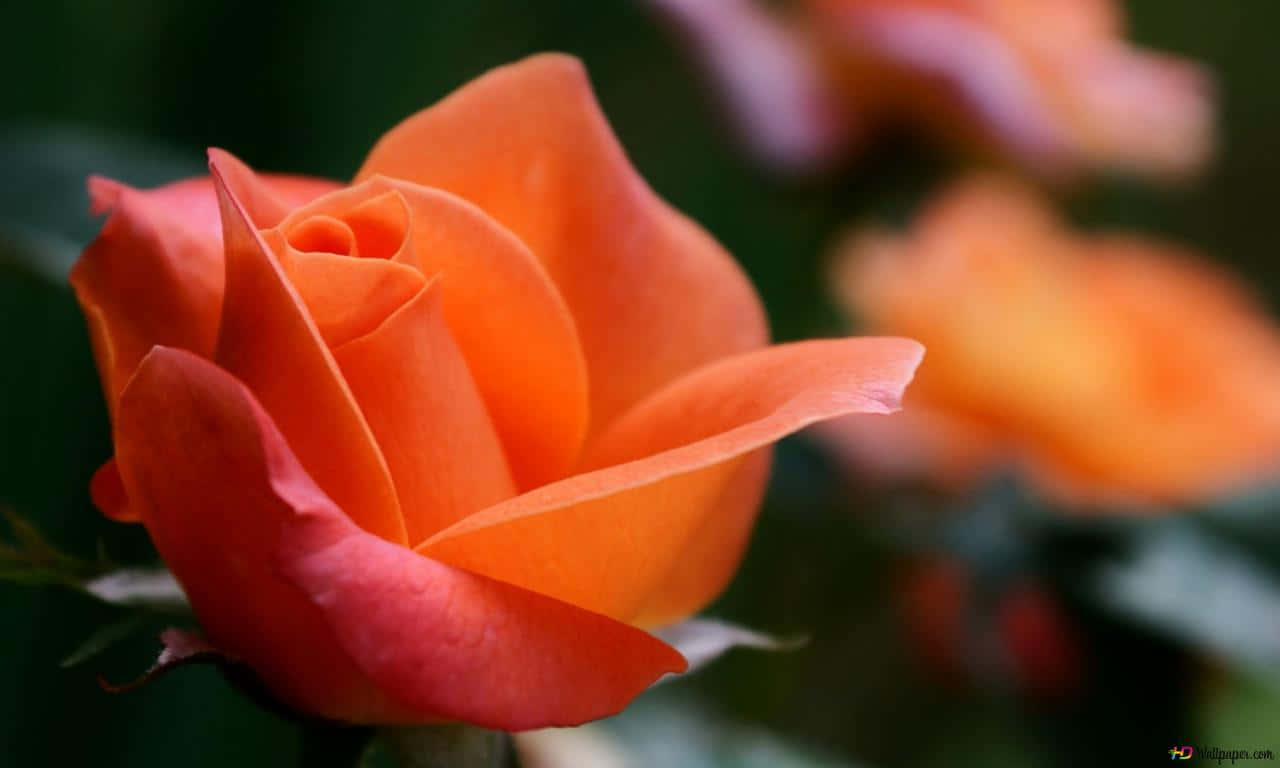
(652, 294)
(513, 328)
(510, 322)
(267, 199)
(347, 297)
(269, 341)
(704, 568)
(413, 386)
(154, 274)
(339, 623)
(608, 539)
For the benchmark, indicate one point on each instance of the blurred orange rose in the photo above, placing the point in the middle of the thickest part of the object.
(1111, 368)
(433, 445)
(1051, 84)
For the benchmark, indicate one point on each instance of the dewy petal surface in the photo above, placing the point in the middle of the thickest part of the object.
(652, 294)
(269, 341)
(608, 539)
(341, 623)
(417, 393)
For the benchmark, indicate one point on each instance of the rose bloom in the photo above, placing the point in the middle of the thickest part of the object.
(1108, 368)
(437, 445)
(1050, 84)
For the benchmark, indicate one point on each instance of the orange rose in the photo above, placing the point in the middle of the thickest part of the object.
(1110, 367)
(1050, 83)
(432, 446)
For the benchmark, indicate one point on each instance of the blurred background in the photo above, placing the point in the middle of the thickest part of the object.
(977, 626)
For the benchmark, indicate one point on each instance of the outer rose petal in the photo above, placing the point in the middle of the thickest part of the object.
(652, 294)
(706, 564)
(607, 540)
(338, 622)
(269, 341)
(154, 274)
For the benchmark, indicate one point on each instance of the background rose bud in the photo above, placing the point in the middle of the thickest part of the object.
(1012, 634)
(432, 446)
(1109, 367)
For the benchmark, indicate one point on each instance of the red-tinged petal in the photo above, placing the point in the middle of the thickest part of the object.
(607, 540)
(107, 491)
(509, 320)
(269, 341)
(652, 294)
(340, 623)
(154, 275)
(414, 388)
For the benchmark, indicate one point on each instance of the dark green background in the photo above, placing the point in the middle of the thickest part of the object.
(139, 89)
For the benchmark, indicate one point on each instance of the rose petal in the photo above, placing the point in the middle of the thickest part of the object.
(653, 295)
(269, 341)
(267, 197)
(348, 298)
(512, 326)
(705, 565)
(152, 276)
(606, 540)
(506, 315)
(340, 623)
(414, 387)
(107, 492)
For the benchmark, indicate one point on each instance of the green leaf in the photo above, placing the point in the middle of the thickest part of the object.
(105, 637)
(451, 745)
(32, 559)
